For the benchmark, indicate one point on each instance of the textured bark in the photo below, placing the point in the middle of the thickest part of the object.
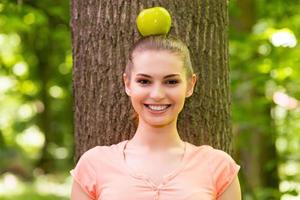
(103, 31)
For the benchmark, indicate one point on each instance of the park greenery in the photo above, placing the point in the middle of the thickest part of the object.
(36, 117)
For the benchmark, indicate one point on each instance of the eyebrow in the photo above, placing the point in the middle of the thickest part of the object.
(168, 76)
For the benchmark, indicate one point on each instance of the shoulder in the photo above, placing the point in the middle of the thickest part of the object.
(94, 164)
(219, 164)
(212, 159)
(209, 153)
(102, 153)
(219, 156)
(93, 153)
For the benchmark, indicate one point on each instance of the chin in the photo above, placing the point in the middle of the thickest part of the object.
(159, 123)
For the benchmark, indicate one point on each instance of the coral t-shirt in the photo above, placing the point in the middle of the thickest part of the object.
(204, 173)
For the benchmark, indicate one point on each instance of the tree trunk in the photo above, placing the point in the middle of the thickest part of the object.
(103, 31)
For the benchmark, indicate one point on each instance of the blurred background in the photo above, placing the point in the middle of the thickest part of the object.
(36, 119)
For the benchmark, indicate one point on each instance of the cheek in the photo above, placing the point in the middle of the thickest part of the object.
(137, 95)
(178, 93)
(138, 92)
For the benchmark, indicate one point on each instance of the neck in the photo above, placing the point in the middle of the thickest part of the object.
(157, 138)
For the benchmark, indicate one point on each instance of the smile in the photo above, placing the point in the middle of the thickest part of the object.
(158, 107)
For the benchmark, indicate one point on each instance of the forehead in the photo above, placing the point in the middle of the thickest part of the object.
(157, 63)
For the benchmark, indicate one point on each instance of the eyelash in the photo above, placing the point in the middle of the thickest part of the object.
(147, 82)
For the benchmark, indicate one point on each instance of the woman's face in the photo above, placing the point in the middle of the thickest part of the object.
(158, 86)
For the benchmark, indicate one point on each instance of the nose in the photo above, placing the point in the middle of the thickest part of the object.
(157, 93)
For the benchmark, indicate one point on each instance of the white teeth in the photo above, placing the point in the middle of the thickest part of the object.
(158, 108)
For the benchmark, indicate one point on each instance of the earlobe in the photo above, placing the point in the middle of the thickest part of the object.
(191, 85)
(189, 93)
(126, 83)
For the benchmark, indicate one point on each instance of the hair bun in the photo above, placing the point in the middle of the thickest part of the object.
(154, 21)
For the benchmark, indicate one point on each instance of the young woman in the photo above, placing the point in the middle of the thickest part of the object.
(156, 163)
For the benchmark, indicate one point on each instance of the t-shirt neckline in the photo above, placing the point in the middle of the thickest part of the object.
(166, 178)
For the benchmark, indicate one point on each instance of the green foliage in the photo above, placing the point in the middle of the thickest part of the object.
(265, 84)
(55, 186)
(35, 87)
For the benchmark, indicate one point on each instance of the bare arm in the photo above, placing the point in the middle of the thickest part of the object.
(77, 193)
(233, 192)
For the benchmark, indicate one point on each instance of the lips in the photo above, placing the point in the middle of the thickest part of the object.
(157, 107)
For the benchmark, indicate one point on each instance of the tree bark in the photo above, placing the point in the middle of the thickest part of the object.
(103, 31)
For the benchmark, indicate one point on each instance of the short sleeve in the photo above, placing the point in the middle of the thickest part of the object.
(225, 172)
(85, 175)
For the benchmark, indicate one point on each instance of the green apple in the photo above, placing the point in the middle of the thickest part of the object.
(154, 21)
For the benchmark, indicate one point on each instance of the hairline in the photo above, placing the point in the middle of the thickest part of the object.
(175, 53)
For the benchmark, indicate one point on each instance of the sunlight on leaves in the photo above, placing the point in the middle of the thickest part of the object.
(290, 197)
(29, 87)
(6, 83)
(265, 67)
(20, 68)
(26, 111)
(31, 140)
(284, 38)
(281, 144)
(279, 112)
(57, 151)
(8, 110)
(8, 47)
(56, 92)
(61, 153)
(291, 168)
(264, 49)
(10, 185)
(281, 73)
(29, 19)
(289, 186)
(284, 100)
(260, 27)
(46, 185)
(1, 7)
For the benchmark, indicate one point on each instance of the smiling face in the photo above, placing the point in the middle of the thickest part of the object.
(158, 86)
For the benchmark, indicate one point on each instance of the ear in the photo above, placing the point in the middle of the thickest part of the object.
(127, 84)
(191, 85)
